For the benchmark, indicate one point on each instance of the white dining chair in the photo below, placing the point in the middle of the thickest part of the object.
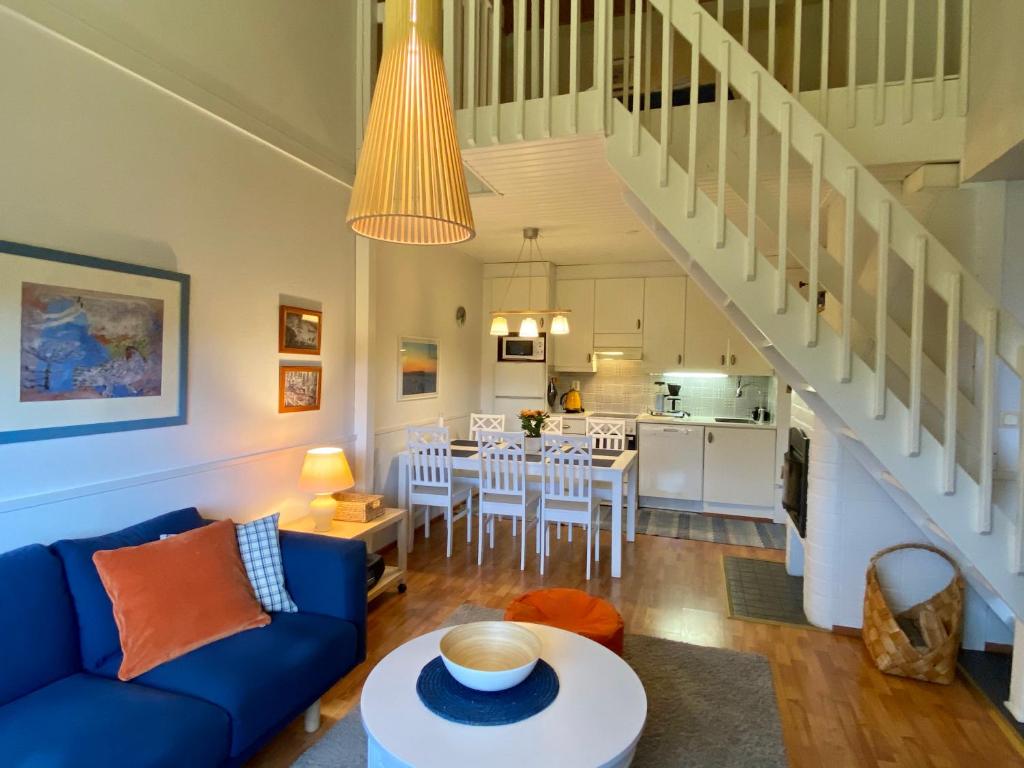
(607, 434)
(552, 426)
(432, 482)
(486, 422)
(504, 491)
(567, 489)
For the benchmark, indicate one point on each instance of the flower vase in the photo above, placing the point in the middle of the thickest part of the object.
(532, 444)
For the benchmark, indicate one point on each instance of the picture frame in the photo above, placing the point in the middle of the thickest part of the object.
(300, 330)
(418, 368)
(299, 388)
(90, 346)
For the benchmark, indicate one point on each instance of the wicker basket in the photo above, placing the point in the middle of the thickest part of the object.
(358, 507)
(936, 622)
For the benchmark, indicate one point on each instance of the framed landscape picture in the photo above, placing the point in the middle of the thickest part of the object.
(417, 368)
(299, 388)
(89, 345)
(301, 331)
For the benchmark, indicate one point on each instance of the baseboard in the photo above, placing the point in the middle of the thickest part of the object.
(1005, 649)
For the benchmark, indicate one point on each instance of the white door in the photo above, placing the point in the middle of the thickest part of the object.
(574, 351)
(671, 461)
(619, 305)
(739, 466)
(707, 332)
(664, 322)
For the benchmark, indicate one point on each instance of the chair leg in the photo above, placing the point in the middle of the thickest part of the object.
(588, 551)
(494, 522)
(311, 718)
(514, 521)
(522, 546)
(558, 531)
(426, 522)
(480, 538)
(597, 543)
(449, 518)
(469, 518)
(570, 526)
(541, 530)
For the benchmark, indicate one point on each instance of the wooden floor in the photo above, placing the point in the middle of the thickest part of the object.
(836, 709)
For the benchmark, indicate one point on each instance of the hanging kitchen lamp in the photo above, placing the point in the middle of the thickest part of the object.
(528, 327)
(410, 187)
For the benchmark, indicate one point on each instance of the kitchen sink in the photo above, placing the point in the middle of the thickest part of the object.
(730, 420)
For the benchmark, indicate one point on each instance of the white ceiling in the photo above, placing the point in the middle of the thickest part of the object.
(567, 189)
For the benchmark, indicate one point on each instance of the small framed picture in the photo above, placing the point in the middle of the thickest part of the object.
(301, 331)
(417, 368)
(299, 388)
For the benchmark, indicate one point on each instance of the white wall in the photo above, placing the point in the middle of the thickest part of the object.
(99, 161)
(416, 293)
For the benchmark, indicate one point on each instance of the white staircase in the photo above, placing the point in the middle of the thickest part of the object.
(737, 190)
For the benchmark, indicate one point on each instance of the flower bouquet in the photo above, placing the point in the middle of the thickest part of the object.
(532, 421)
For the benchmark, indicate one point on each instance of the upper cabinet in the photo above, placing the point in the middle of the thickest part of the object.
(574, 352)
(619, 305)
(713, 343)
(664, 322)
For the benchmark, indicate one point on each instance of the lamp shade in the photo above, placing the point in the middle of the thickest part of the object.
(410, 186)
(560, 325)
(499, 326)
(528, 328)
(325, 470)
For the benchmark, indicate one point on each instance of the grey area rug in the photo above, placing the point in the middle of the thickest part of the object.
(697, 527)
(706, 708)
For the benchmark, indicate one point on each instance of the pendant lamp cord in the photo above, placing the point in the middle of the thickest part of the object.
(515, 268)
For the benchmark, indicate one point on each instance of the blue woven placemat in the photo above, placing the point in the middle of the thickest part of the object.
(446, 697)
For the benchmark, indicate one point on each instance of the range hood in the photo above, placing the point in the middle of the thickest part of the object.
(618, 353)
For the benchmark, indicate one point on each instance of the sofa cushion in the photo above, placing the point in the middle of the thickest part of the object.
(39, 641)
(97, 630)
(175, 595)
(262, 677)
(85, 721)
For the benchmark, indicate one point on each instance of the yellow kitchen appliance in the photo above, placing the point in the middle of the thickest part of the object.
(571, 401)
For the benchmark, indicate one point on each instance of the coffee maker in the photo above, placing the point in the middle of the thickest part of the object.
(668, 401)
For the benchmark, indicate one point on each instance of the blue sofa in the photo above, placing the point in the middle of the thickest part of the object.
(61, 703)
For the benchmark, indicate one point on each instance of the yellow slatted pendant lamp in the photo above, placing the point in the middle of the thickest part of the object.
(410, 187)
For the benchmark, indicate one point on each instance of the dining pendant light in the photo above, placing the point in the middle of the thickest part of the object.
(410, 187)
(499, 326)
(559, 325)
(528, 328)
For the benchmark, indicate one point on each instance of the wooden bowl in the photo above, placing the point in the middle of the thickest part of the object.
(490, 655)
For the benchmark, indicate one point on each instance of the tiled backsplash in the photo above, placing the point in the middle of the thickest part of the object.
(624, 386)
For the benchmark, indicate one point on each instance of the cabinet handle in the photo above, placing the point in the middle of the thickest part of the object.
(670, 430)
(711, 436)
(590, 357)
(723, 359)
(638, 325)
(679, 359)
(732, 359)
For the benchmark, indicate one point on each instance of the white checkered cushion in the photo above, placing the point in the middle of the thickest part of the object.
(261, 554)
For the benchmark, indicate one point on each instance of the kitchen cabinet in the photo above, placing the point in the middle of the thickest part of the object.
(619, 305)
(671, 461)
(739, 466)
(664, 322)
(574, 352)
(713, 343)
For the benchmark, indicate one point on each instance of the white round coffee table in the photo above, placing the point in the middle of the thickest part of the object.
(596, 719)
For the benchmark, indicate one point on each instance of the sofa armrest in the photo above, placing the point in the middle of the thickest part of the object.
(326, 575)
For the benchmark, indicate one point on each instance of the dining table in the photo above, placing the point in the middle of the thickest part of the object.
(617, 468)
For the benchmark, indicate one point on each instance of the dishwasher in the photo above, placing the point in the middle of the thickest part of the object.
(671, 461)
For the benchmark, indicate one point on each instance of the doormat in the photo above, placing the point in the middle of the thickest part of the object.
(694, 526)
(760, 590)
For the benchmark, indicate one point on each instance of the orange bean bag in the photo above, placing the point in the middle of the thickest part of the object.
(572, 610)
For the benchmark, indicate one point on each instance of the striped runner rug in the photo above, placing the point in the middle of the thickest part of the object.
(698, 527)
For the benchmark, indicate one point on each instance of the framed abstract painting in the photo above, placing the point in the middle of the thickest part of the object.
(417, 368)
(89, 345)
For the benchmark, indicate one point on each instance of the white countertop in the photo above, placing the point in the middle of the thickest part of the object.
(701, 421)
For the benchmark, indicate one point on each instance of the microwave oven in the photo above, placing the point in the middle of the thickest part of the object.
(515, 349)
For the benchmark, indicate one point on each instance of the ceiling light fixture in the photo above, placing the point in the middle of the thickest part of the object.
(410, 186)
(528, 328)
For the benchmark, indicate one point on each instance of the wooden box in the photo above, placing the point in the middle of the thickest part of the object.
(358, 507)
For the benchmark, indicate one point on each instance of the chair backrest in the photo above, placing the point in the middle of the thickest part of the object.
(485, 422)
(502, 462)
(609, 434)
(568, 470)
(430, 457)
(552, 426)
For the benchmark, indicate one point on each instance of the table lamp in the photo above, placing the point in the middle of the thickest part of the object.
(324, 471)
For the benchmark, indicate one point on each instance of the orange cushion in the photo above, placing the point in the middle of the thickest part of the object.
(572, 610)
(173, 596)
